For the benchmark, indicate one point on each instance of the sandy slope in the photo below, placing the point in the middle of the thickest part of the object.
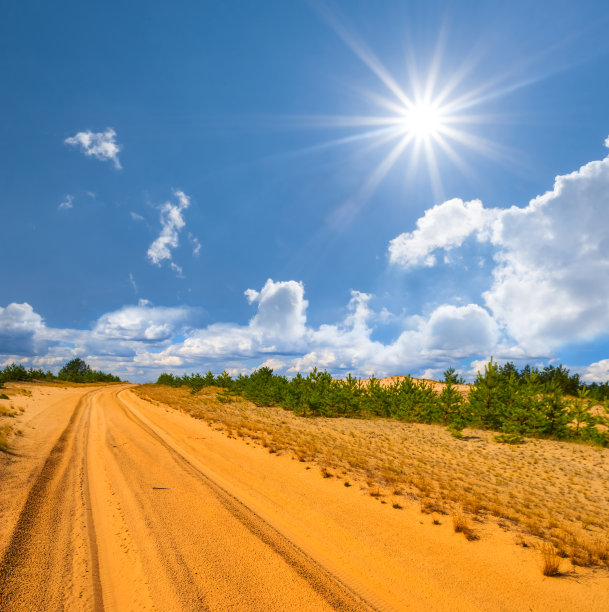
(126, 505)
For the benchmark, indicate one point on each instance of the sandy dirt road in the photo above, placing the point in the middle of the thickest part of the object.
(116, 503)
(121, 517)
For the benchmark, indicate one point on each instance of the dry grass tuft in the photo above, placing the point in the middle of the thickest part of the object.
(462, 525)
(8, 411)
(5, 434)
(325, 472)
(551, 560)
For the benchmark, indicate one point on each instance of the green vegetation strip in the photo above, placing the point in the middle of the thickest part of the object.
(515, 403)
(75, 370)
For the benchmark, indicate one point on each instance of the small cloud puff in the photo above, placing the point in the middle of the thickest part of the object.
(196, 245)
(67, 202)
(251, 295)
(101, 145)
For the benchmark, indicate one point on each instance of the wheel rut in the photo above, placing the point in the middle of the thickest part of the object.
(53, 542)
(328, 586)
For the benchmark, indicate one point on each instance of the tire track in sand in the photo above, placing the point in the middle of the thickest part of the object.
(51, 561)
(328, 586)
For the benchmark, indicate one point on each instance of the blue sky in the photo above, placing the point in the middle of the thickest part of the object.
(368, 187)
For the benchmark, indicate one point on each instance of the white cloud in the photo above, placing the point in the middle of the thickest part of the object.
(172, 222)
(550, 282)
(101, 145)
(275, 365)
(477, 366)
(549, 286)
(279, 325)
(119, 341)
(143, 322)
(66, 204)
(136, 217)
(281, 315)
(321, 359)
(20, 329)
(598, 371)
(463, 330)
(445, 226)
(132, 282)
(196, 245)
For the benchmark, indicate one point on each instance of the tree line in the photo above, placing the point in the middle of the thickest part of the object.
(75, 370)
(550, 403)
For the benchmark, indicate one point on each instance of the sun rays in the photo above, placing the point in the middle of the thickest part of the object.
(422, 124)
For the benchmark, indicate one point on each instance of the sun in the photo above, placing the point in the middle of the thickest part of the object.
(427, 119)
(424, 120)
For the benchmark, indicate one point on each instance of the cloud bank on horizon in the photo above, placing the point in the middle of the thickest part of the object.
(549, 288)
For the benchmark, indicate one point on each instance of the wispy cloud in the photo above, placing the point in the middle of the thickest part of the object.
(136, 217)
(132, 282)
(101, 145)
(196, 245)
(67, 202)
(172, 222)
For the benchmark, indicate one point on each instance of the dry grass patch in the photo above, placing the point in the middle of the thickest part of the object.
(5, 432)
(551, 560)
(462, 525)
(544, 490)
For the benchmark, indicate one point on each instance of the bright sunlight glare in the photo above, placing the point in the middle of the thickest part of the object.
(423, 120)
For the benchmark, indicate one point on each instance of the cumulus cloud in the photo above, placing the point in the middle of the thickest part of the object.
(121, 341)
(279, 329)
(445, 226)
(278, 326)
(172, 222)
(20, 329)
(550, 283)
(141, 341)
(598, 371)
(463, 330)
(275, 364)
(67, 202)
(143, 322)
(281, 315)
(101, 145)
